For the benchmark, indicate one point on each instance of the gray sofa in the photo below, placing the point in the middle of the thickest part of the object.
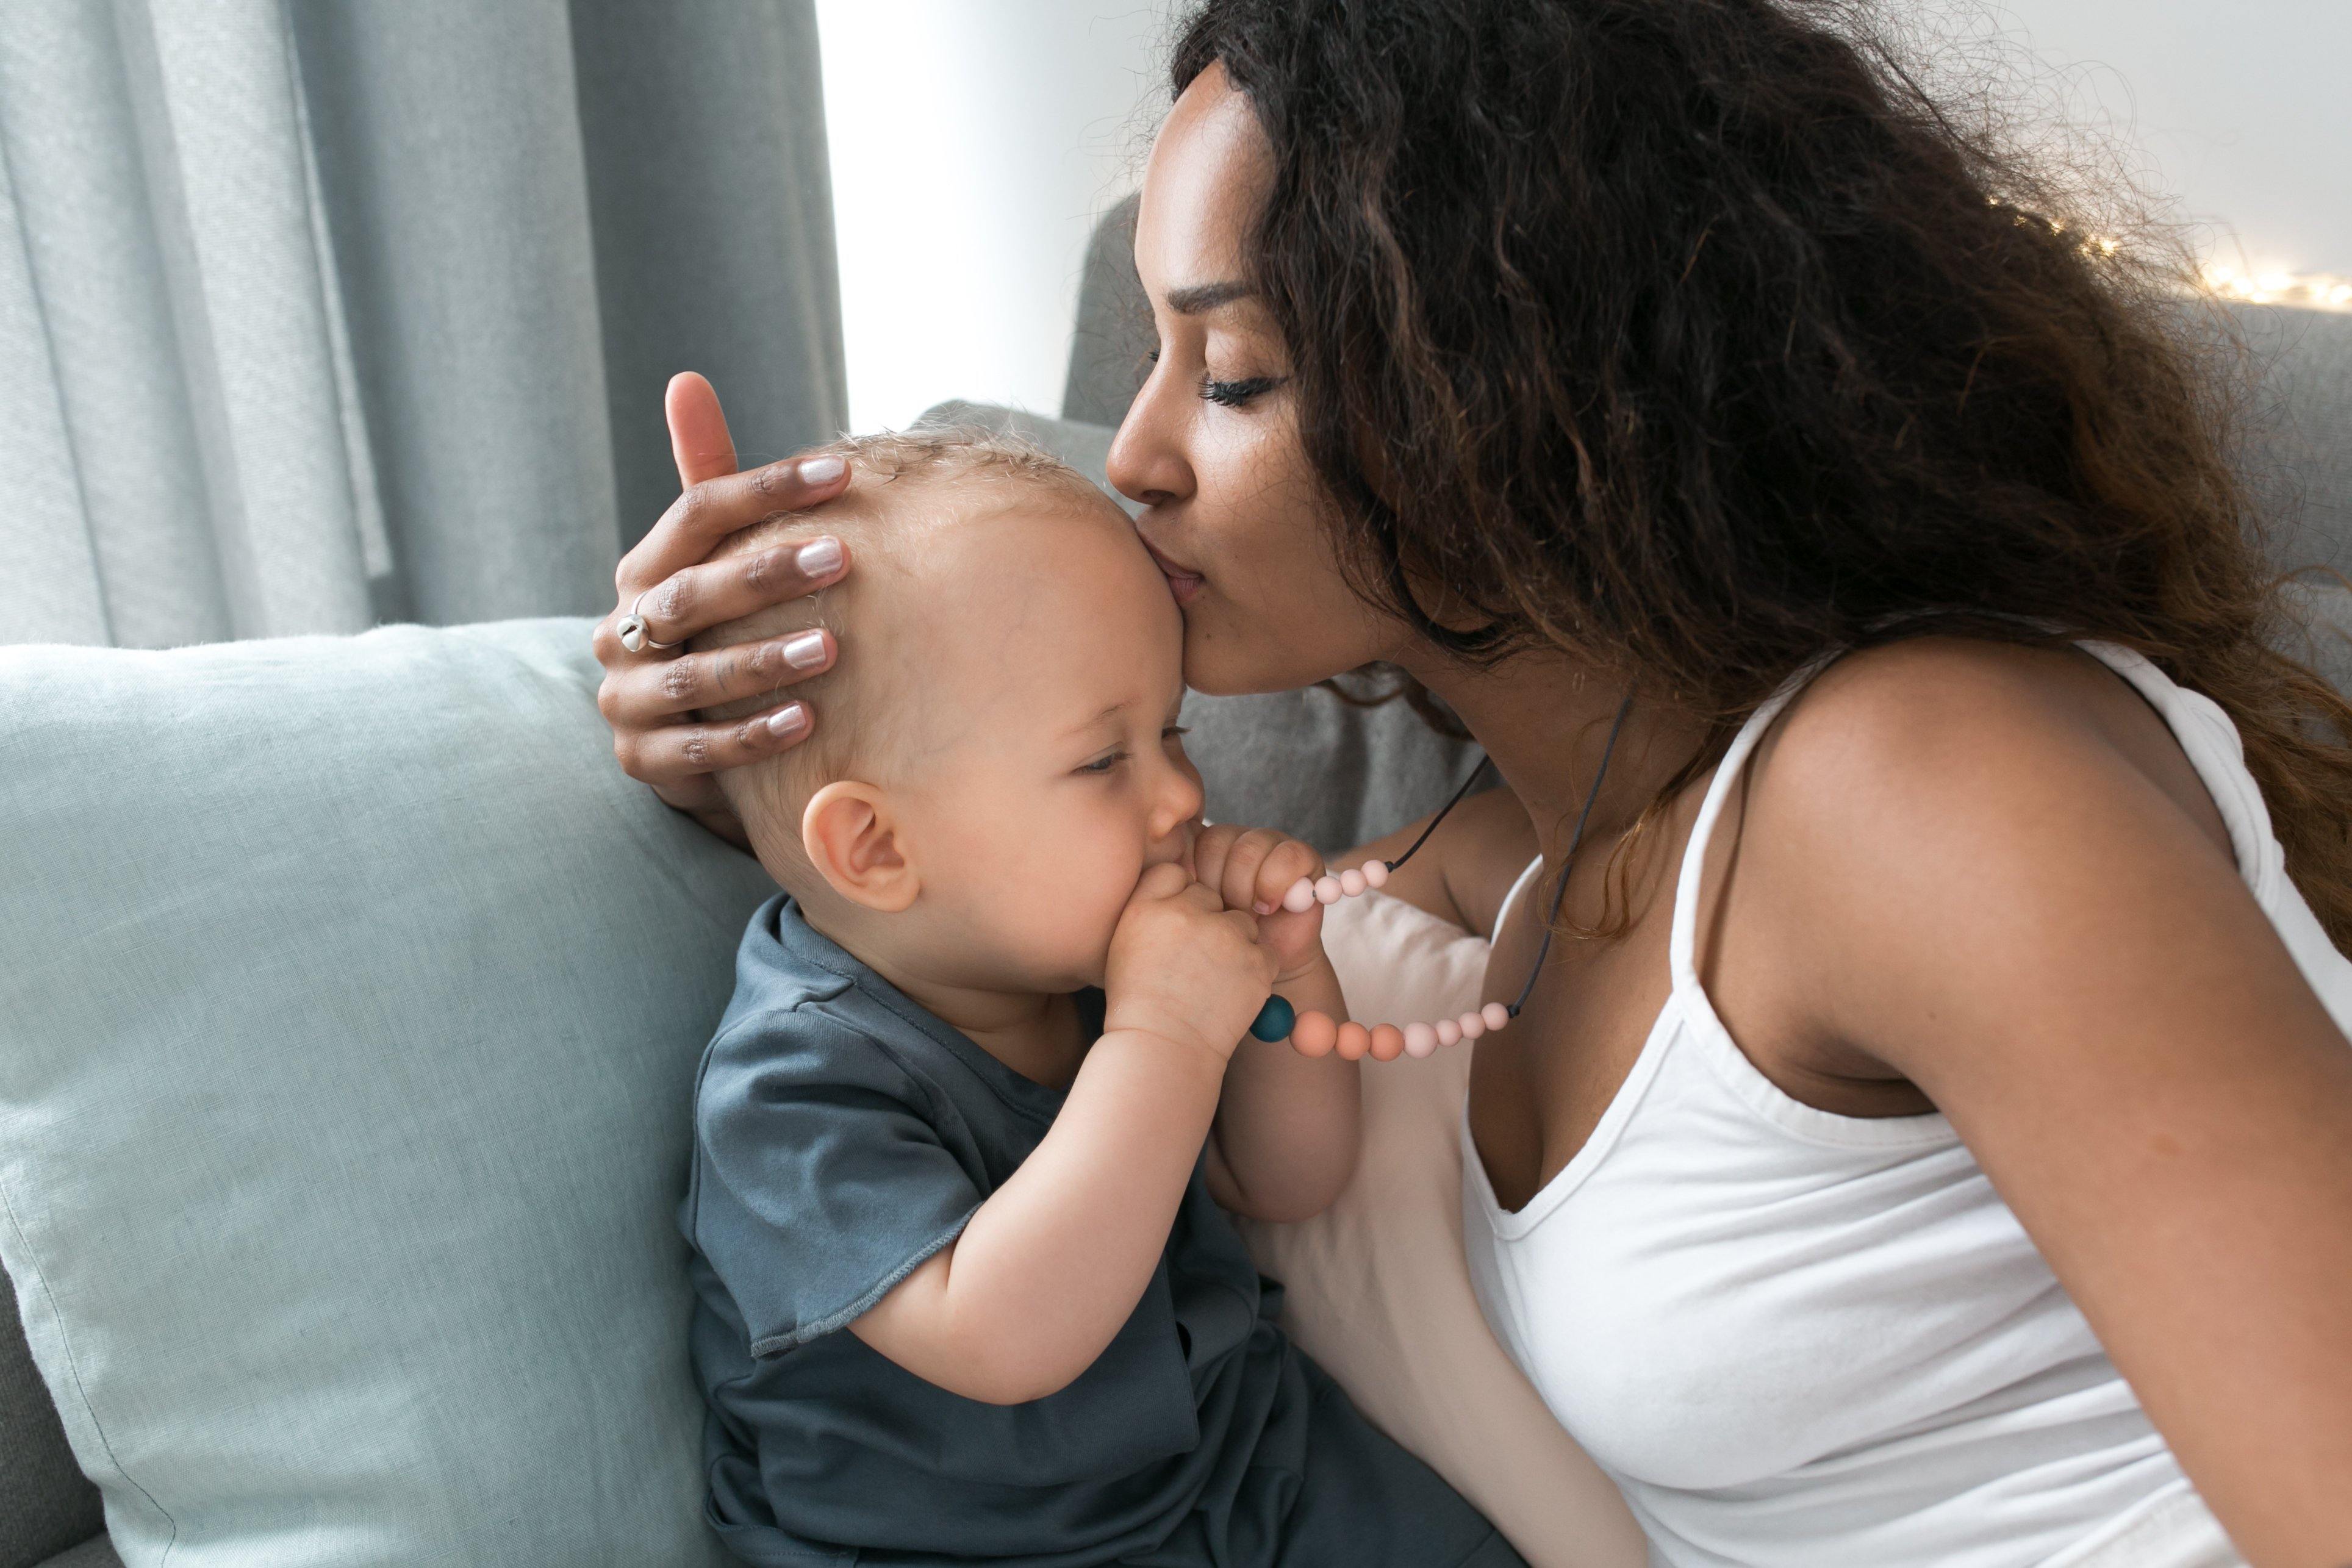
(49, 1514)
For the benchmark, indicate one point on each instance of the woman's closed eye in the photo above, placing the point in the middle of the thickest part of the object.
(1233, 394)
(1228, 395)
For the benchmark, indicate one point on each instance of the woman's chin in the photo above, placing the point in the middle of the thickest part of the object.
(1221, 665)
(1209, 666)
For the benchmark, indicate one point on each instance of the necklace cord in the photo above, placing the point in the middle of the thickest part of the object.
(1575, 840)
(1449, 805)
(1568, 860)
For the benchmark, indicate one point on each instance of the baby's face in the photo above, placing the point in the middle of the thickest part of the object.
(1050, 773)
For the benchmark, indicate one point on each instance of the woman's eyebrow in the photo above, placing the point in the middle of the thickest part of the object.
(1198, 298)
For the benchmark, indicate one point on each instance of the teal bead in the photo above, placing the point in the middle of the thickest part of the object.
(1273, 1020)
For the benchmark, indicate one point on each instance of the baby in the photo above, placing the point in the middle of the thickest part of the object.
(967, 1291)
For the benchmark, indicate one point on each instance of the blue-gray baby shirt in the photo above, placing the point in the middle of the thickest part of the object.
(844, 1135)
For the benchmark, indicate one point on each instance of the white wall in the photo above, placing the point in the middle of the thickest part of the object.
(973, 142)
(2239, 105)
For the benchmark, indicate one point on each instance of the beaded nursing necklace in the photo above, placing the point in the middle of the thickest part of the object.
(1314, 1033)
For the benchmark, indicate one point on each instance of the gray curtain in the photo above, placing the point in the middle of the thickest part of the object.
(314, 315)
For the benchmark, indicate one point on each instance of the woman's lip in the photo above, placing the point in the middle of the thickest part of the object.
(1183, 584)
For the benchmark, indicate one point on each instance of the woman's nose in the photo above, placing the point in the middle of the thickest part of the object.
(1147, 461)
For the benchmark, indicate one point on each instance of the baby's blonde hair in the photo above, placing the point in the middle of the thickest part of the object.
(903, 486)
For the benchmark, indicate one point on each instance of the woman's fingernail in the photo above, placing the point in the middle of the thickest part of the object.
(1261, 907)
(819, 558)
(822, 470)
(788, 722)
(805, 650)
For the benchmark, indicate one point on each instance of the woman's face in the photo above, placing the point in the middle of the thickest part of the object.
(1211, 445)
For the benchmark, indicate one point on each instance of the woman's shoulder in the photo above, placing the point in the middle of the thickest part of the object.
(1988, 729)
(1895, 694)
(1938, 822)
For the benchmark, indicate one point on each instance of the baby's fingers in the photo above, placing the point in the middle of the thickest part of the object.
(1210, 843)
(1307, 892)
(1262, 952)
(1165, 880)
(1287, 864)
(1235, 874)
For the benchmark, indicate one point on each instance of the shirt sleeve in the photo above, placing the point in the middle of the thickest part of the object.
(821, 1181)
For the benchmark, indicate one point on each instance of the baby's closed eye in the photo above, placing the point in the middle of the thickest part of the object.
(1111, 760)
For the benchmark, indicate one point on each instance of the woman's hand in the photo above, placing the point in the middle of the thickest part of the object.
(648, 696)
(1251, 869)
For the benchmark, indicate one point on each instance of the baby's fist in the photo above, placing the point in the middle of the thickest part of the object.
(1251, 869)
(1183, 966)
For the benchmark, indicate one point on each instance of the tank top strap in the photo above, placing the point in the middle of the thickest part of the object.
(1685, 943)
(1503, 914)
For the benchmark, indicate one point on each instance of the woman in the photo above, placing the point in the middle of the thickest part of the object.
(1926, 1142)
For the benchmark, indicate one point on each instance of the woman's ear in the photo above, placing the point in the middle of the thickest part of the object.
(854, 840)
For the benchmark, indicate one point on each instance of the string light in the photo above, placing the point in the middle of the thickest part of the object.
(2312, 290)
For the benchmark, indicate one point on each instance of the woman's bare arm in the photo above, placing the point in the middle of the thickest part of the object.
(2007, 908)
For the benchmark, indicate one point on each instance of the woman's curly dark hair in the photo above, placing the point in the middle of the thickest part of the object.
(1693, 339)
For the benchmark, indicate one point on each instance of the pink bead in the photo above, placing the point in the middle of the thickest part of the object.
(1496, 1014)
(1376, 873)
(1351, 881)
(1388, 1042)
(1314, 1034)
(1471, 1025)
(1301, 896)
(1420, 1039)
(1353, 1041)
(1448, 1031)
(1326, 890)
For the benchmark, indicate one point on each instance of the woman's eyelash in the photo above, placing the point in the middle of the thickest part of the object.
(1229, 394)
(1233, 394)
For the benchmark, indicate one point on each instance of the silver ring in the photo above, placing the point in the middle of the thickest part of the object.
(632, 629)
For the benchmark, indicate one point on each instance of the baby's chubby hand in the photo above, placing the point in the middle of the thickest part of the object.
(1251, 869)
(1185, 967)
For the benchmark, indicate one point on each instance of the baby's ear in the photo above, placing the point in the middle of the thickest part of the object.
(852, 837)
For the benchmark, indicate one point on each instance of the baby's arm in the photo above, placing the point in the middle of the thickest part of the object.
(1287, 1129)
(1054, 1263)
(1466, 869)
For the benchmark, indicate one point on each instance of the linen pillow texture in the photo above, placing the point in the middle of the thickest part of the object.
(348, 1025)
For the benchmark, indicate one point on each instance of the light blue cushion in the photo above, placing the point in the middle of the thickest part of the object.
(350, 1004)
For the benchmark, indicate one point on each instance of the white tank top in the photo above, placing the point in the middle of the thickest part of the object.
(1801, 1339)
